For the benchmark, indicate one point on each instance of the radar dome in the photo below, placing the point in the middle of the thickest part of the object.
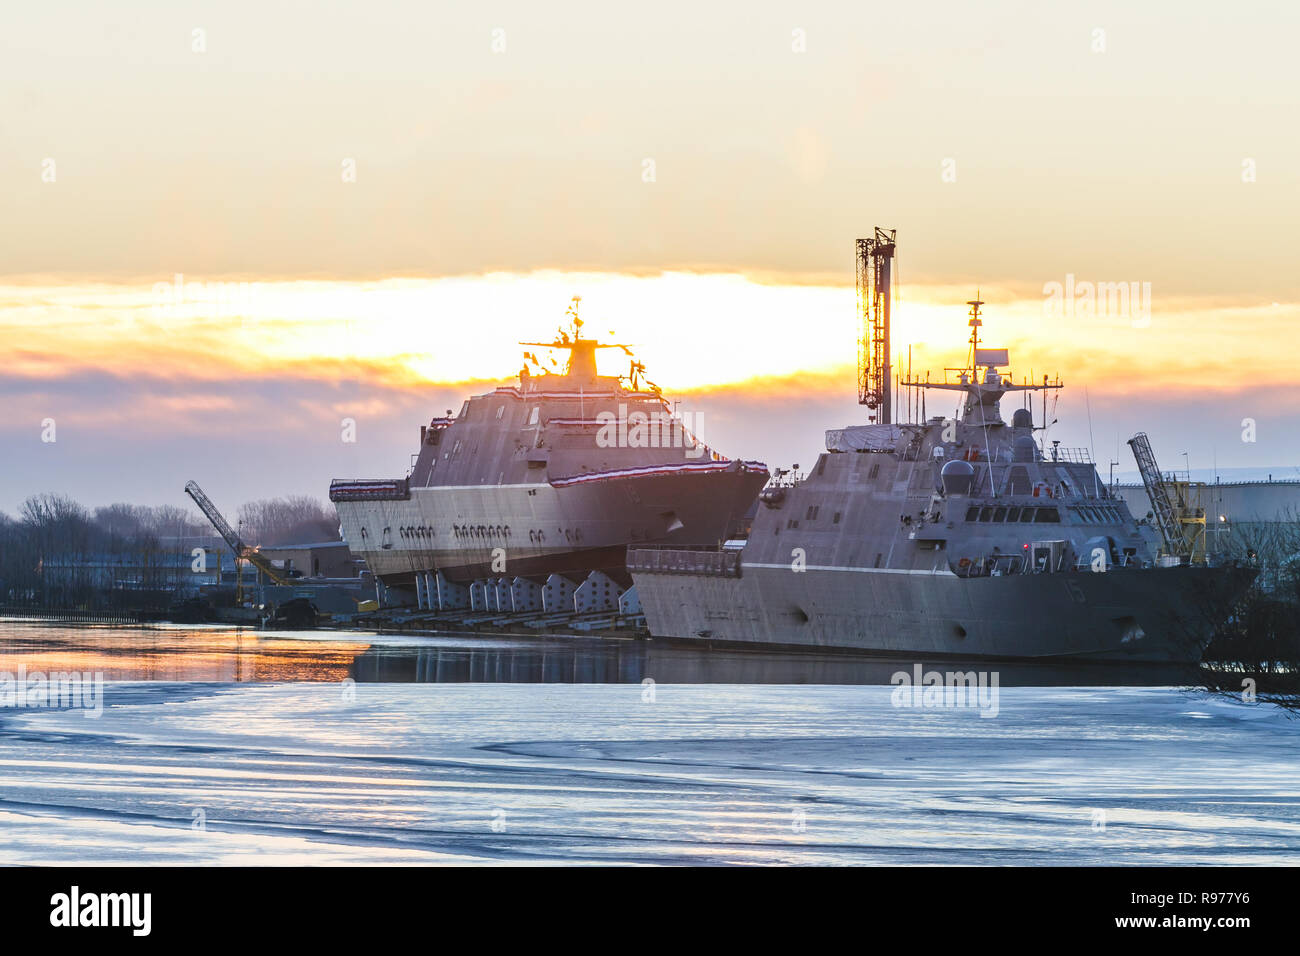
(1024, 449)
(1022, 418)
(957, 477)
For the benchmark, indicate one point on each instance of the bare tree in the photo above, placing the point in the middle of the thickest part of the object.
(56, 554)
(1258, 649)
(298, 519)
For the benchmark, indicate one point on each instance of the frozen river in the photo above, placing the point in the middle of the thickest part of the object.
(227, 748)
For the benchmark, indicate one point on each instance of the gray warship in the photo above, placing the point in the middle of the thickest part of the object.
(531, 488)
(961, 537)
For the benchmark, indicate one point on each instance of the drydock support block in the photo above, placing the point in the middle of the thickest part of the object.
(629, 602)
(557, 596)
(451, 596)
(525, 596)
(598, 593)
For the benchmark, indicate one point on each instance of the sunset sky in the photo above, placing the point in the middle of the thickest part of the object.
(404, 190)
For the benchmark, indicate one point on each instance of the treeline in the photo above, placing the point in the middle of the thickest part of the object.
(55, 552)
(296, 519)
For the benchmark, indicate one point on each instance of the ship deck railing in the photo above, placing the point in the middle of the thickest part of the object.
(1071, 456)
(370, 489)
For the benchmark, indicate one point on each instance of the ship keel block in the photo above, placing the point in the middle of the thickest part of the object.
(478, 596)
(525, 596)
(597, 594)
(557, 595)
(629, 602)
(451, 596)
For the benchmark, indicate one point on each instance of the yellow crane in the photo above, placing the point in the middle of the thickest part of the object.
(1179, 515)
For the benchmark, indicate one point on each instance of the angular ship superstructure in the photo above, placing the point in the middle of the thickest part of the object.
(554, 476)
(962, 537)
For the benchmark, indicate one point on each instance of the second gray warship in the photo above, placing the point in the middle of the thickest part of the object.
(957, 537)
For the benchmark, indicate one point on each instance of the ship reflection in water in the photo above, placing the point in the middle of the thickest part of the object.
(578, 661)
(221, 654)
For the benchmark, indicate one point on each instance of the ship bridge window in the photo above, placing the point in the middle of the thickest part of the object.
(1047, 516)
(986, 514)
(1000, 514)
(812, 512)
(1013, 514)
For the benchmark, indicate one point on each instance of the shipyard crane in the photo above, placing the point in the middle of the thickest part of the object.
(874, 267)
(1180, 522)
(242, 551)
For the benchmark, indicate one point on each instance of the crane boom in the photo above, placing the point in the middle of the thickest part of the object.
(242, 551)
(1159, 493)
(213, 515)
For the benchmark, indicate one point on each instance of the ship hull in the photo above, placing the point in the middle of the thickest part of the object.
(1147, 615)
(533, 530)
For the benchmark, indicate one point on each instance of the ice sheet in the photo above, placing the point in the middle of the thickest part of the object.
(547, 773)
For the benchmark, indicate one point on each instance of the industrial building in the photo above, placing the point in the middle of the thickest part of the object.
(1230, 506)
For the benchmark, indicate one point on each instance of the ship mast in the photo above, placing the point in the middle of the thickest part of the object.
(581, 364)
(975, 323)
(983, 389)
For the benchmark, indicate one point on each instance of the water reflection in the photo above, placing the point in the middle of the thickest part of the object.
(199, 653)
(173, 653)
(584, 661)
